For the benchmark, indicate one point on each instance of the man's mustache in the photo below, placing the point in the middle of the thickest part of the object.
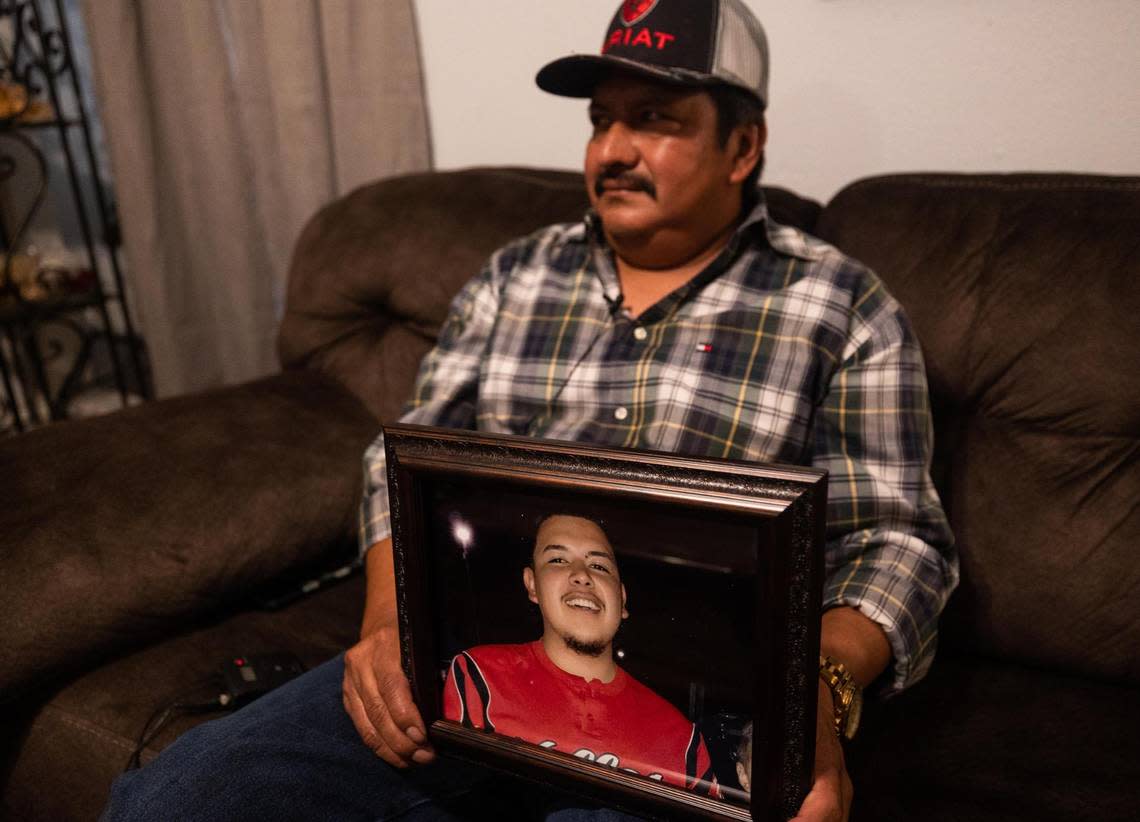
(626, 180)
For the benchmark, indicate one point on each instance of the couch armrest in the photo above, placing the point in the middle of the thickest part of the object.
(119, 529)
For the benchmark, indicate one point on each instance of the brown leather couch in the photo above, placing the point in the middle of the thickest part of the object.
(138, 550)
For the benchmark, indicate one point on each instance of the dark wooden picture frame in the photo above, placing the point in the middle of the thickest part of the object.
(725, 560)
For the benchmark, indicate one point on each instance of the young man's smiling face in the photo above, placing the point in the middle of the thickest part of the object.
(575, 582)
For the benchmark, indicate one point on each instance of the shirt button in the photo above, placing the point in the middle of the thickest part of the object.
(621, 412)
(640, 333)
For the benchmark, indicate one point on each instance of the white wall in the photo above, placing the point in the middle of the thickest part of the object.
(858, 87)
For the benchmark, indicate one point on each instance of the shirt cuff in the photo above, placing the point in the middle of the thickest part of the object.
(375, 518)
(904, 601)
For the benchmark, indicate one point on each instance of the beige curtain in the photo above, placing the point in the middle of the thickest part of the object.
(229, 123)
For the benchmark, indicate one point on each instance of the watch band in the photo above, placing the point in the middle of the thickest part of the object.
(846, 695)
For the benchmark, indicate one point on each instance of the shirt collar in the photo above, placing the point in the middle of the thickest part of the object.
(782, 239)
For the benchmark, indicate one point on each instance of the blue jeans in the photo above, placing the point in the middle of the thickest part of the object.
(295, 754)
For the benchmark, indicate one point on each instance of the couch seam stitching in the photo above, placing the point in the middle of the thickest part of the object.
(95, 730)
(1024, 185)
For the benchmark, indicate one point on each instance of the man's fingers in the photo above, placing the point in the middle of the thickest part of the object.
(368, 733)
(379, 701)
(396, 694)
(372, 719)
(393, 732)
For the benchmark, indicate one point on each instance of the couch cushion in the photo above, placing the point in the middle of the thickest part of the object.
(118, 529)
(374, 272)
(993, 742)
(1023, 290)
(62, 750)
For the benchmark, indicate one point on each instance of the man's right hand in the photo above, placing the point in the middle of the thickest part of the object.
(375, 691)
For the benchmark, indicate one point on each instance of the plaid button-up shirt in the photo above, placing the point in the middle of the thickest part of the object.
(782, 350)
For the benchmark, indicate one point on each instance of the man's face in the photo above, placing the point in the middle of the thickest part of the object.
(654, 162)
(575, 583)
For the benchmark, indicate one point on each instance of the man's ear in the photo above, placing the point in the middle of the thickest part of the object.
(624, 612)
(747, 146)
(528, 583)
(742, 776)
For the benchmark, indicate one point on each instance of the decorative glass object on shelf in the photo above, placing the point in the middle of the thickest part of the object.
(68, 343)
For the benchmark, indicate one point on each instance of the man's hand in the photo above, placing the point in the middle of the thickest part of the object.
(830, 797)
(861, 645)
(379, 701)
(375, 691)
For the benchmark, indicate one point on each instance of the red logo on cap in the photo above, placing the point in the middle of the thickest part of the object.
(633, 11)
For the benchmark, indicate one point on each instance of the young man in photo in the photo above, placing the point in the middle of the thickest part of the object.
(564, 692)
(676, 316)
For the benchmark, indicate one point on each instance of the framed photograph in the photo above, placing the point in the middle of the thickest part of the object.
(638, 627)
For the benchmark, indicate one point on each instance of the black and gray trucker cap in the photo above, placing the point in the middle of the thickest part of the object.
(688, 42)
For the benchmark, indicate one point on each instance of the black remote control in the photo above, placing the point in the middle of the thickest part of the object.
(248, 677)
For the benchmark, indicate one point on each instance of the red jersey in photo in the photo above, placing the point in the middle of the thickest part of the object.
(515, 690)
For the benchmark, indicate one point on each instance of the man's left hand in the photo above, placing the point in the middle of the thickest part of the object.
(830, 797)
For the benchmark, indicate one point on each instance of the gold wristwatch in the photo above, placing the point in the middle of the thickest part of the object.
(846, 695)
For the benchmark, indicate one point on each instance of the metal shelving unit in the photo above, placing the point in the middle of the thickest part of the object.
(42, 95)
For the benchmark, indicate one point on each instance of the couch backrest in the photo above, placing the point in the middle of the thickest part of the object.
(1025, 293)
(373, 273)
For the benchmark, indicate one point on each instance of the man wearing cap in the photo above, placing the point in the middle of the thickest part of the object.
(676, 316)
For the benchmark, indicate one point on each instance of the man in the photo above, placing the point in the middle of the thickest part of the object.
(678, 316)
(564, 691)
